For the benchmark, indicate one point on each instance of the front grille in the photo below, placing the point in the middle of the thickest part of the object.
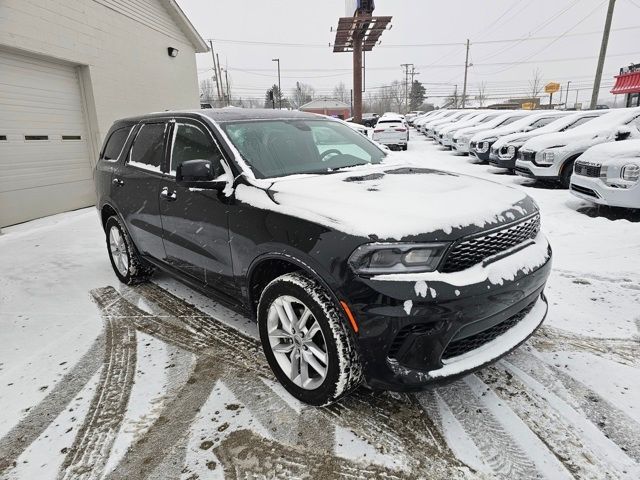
(466, 345)
(584, 191)
(472, 250)
(527, 156)
(473, 145)
(587, 170)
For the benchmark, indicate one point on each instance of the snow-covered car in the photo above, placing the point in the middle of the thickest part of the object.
(392, 131)
(366, 131)
(450, 131)
(504, 151)
(355, 267)
(550, 157)
(411, 116)
(462, 138)
(609, 174)
(418, 122)
(428, 128)
(440, 132)
(481, 143)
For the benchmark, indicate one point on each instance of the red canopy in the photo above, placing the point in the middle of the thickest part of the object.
(627, 83)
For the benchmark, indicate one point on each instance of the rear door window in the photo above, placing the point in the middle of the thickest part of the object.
(148, 148)
(543, 121)
(115, 144)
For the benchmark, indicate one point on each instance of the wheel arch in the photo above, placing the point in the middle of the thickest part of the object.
(269, 266)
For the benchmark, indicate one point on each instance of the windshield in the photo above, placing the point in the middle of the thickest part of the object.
(275, 148)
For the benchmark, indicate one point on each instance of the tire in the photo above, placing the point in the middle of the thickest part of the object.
(127, 264)
(330, 339)
(567, 171)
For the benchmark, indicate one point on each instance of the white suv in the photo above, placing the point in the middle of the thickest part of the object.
(609, 174)
(551, 156)
(392, 131)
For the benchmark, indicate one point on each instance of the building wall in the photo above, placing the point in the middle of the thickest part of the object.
(119, 48)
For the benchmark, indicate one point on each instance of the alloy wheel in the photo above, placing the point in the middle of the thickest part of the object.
(297, 342)
(118, 250)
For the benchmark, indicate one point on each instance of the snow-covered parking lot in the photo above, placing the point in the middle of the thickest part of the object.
(101, 380)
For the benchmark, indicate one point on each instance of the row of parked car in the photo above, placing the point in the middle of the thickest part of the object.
(595, 153)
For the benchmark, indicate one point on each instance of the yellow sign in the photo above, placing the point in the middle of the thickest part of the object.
(552, 87)
(528, 106)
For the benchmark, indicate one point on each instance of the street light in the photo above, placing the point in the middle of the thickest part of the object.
(279, 87)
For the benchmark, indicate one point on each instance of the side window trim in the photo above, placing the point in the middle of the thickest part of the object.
(174, 122)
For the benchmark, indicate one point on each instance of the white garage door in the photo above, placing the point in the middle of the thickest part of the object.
(45, 165)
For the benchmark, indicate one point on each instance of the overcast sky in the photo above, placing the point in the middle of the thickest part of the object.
(571, 57)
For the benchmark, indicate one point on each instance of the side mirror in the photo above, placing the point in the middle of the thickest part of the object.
(198, 174)
(622, 134)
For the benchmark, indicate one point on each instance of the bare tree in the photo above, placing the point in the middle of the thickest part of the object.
(481, 96)
(207, 90)
(340, 93)
(535, 84)
(303, 93)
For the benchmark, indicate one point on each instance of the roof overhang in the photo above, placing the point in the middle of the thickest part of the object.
(186, 26)
(627, 83)
(368, 27)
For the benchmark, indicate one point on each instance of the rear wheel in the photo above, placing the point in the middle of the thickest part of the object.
(125, 260)
(306, 340)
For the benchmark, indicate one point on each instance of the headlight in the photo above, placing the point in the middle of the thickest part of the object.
(630, 172)
(547, 158)
(508, 153)
(381, 258)
(484, 145)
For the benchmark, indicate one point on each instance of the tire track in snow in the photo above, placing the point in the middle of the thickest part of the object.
(575, 440)
(88, 455)
(499, 449)
(244, 454)
(624, 351)
(18, 439)
(283, 423)
(613, 422)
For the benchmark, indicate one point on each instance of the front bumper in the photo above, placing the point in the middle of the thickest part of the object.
(409, 340)
(595, 190)
(499, 162)
(460, 146)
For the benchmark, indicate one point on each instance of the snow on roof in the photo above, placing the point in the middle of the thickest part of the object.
(185, 25)
(324, 103)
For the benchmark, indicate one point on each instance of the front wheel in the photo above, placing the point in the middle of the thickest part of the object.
(306, 340)
(565, 176)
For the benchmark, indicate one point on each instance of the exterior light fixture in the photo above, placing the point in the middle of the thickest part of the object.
(173, 52)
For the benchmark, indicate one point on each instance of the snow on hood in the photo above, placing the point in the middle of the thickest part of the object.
(553, 127)
(390, 202)
(598, 130)
(613, 153)
(515, 127)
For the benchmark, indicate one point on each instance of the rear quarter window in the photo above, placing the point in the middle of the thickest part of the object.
(115, 143)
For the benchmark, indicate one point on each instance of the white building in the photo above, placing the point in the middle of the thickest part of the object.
(68, 69)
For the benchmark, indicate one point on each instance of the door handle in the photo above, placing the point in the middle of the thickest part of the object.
(168, 196)
(117, 182)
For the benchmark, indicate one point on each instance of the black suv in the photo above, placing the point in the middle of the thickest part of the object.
(356, 268)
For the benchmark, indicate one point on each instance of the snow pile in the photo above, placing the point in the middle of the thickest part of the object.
(388, 202)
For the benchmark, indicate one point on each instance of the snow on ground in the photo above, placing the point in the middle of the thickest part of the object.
(100, 380)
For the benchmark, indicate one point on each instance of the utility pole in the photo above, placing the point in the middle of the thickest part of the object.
(566, 98)
(466, 68)
(215, 68)
(219, 74)
(226, 76)
(279, 87)
(603, 54)
(357, 76)
(406, 84)
(455, 96)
